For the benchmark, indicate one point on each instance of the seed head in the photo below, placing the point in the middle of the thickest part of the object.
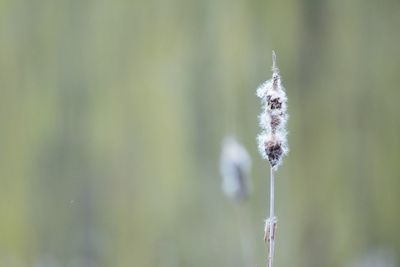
(235, 164)
(272, 141)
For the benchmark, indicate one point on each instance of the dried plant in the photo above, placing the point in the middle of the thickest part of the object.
(272, 142)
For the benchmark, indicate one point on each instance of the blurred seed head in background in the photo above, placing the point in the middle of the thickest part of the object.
(235, 166)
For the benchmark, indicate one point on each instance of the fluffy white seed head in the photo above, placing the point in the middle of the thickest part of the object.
(272, 141)
(235, 165)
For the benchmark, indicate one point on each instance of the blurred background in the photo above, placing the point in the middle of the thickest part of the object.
(113, 113)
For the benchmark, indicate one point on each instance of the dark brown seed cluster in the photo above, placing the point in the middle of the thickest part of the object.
(275, 79)
(274, 103)
(275, 121)
(274, 152)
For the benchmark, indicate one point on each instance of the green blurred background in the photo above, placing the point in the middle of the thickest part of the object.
(113, 112)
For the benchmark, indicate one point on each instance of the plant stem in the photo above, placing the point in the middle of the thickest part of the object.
(272, 220)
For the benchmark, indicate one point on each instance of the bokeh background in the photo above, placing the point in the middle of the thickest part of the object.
(113, 112)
